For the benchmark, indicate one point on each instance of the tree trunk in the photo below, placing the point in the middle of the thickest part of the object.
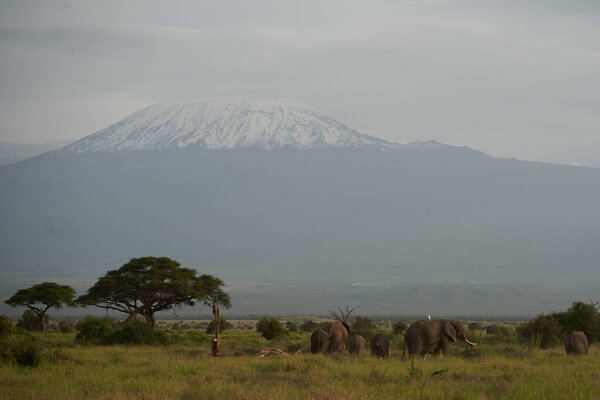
(43, 320)
(151, 320)
(216, 343)
(132, 316)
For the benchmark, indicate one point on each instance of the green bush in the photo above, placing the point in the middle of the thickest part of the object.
(580, 317)
(93, 330)
(291, 326)
(474, 326)
(544, 331)
(135, 333)
(30, 322)
(270, 328)
(399, 328)
(224, 326)
(22, 350)
(363, 326)
(309, 326)
(65, 327)
(6, 326)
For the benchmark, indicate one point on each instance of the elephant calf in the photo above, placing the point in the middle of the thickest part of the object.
(319, 341)
(357, 345)
(380, 345)
(578, 342)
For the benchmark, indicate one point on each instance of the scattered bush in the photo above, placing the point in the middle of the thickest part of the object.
(6, 326)
(291, 326)
(544, 331)
(65, 327)
(22, 350)
(474, 326)
(224, 326)
(363, 326)
(270, 328)
(93, 330)
(135, 333)
(309, 326)
(399, 328)
(579, 317)
(31, 322)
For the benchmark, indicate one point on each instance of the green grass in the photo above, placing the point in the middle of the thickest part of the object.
(185, 370)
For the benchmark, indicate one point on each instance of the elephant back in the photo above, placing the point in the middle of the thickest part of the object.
(338, 336)
(576, 343)
(319, 341)
(357, 344)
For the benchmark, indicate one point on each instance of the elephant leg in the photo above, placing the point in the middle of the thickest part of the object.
(444, 345)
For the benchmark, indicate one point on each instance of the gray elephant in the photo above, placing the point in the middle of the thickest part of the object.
(431, 337)
(578, 342)
(380, 345)
(319, 341)
(357, 344)
(338, 335)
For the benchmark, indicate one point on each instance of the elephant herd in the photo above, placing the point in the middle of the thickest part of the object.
(333, 339)
(421, 338)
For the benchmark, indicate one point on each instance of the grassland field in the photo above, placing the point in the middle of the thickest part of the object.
(184, 369)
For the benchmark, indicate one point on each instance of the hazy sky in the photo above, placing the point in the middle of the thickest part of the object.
(512, 78)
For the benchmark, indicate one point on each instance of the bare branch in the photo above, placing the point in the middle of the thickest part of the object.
(343, 313)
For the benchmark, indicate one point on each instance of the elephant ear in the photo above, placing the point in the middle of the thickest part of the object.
(449, 330)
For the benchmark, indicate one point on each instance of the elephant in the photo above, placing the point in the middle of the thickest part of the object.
(578, 342)
(357, 345)
(338, 335)
(380, 345)
(431, 337)
(319, 341)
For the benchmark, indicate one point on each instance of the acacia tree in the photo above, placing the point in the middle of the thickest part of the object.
(145, 286)
(213, 296)
(43, 296)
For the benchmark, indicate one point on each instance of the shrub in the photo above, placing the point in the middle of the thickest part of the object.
(544, 331)
(363, 326)
(6, 326)
(309, 326)
(399, 328)
(24, 350)
(291, 326)
(94, 330)
(65, 327)
(474, 326)
(224, 326)
(270, 328)
(579, 317)
(30, 322)
(135, 333)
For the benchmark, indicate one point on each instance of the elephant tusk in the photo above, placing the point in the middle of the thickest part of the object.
(471, 343)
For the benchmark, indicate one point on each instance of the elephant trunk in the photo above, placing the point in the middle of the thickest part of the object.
(469, 342)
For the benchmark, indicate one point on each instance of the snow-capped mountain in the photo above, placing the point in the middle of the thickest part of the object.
(225, 123)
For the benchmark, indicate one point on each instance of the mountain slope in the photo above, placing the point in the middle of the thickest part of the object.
(311, 225)
(224, 124)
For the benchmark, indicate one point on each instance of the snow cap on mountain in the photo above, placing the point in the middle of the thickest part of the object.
(226, 123)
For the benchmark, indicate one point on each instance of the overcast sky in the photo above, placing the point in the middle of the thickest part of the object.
(511, 78)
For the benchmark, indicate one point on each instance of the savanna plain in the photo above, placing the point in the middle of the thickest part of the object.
(182, 368)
